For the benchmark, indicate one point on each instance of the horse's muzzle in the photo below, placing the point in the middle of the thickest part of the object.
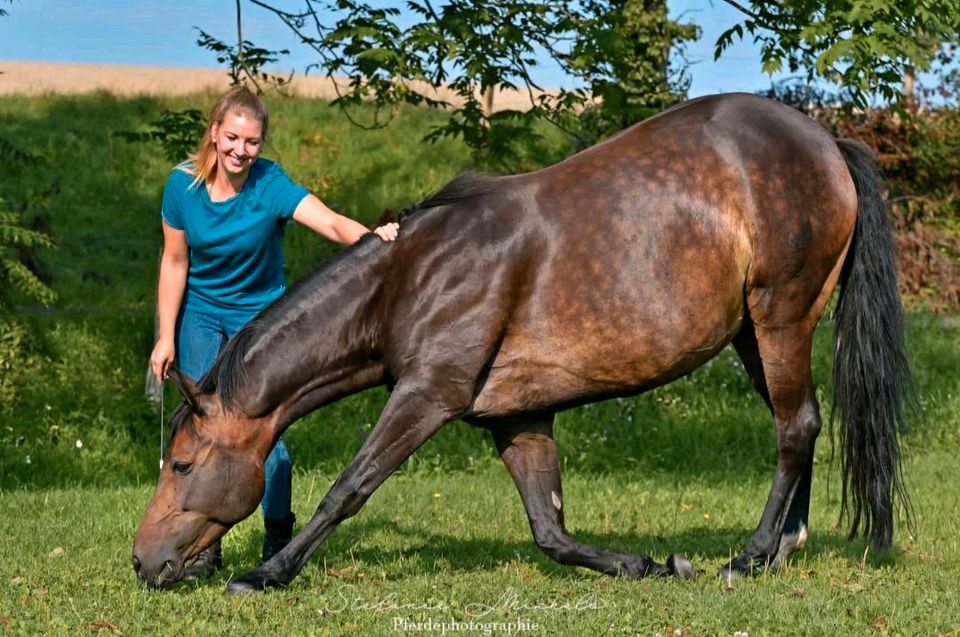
(167, 574)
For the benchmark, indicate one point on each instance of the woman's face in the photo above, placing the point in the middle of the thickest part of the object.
(238, 138)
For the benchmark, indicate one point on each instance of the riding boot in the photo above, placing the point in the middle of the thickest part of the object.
(206, 564)
(277, 534)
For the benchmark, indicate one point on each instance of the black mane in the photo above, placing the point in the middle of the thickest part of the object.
(227, 375)
(466, 185)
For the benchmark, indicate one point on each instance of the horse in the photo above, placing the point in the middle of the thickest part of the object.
(727, 219)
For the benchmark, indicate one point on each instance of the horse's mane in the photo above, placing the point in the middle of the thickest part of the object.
(464, 186)
(228, 374)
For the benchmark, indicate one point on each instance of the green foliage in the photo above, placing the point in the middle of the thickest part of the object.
(178, 133)
(17, 242)
(13, 157)
(866, 46)
(919, 154)
(623, 51)
(75, 371)
(14, 342)
(246, 61)
(621, 48)
(471, 46)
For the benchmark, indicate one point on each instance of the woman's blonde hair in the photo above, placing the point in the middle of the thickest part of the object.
(237, 100)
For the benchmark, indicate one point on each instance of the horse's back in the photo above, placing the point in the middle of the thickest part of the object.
(650, 246)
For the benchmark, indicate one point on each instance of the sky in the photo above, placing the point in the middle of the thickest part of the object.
(162, 33)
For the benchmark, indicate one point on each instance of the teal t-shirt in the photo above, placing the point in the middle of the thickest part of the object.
(236, 256)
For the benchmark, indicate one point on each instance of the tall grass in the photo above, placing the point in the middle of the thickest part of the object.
(76, 412)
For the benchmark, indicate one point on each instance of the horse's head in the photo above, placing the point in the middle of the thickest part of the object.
(212, 477)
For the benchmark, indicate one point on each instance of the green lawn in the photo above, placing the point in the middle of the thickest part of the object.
(454, 546)
(684, 468)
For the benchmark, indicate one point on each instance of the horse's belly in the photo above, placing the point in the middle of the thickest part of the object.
(546, 369)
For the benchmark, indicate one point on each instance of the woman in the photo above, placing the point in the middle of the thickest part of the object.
(224, 213)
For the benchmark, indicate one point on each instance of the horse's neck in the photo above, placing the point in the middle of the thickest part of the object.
(320, 341)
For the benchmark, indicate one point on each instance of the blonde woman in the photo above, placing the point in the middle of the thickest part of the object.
(224, 213)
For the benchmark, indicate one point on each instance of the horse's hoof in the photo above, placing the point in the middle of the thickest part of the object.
(741, 567)
(239, 587)
(250, 584)
(681, 568)
(729, 574)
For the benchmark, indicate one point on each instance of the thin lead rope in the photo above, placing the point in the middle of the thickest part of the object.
(161, 424)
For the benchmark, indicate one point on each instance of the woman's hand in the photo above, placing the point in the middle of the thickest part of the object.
(161, 358)
(388, 231)
(315, 215)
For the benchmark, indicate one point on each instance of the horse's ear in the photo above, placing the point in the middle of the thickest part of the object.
(186, 386)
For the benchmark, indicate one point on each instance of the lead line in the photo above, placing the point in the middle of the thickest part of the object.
(161, 424)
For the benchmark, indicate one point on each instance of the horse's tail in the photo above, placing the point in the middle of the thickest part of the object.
(871, 374)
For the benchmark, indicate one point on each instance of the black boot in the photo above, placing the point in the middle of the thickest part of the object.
(277, 534)
(206, 564)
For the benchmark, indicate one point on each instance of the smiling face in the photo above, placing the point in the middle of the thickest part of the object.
(238, 139)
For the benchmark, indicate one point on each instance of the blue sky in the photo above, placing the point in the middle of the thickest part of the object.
(160, 32)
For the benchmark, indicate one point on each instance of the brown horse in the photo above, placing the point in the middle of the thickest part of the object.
(727, 219)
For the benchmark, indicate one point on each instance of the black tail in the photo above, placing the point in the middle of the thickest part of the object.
(871, 373)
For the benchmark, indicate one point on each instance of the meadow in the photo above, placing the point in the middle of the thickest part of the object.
(444, 545)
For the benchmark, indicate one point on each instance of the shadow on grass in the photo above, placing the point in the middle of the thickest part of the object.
(430, 553)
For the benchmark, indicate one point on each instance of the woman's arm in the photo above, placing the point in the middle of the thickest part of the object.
(173, 280)
(315, 215)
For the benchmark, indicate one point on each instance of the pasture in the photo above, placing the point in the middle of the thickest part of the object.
(444, 545)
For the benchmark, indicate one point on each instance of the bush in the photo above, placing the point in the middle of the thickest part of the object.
(13, 359)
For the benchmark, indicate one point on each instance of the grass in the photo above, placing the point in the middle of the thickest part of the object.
(440, 546)
(685, 468)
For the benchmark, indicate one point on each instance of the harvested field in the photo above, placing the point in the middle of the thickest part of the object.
(40, 78)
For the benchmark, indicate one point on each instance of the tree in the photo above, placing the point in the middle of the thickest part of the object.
(16, 238)
(623, 52)
(477, 46)
(14, 273)
(865, 46)
(246, 60)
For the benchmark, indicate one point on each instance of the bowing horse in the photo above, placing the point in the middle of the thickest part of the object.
(727, 219)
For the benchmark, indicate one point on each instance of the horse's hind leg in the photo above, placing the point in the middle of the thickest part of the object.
(527, 448)
(794, 534)
(785, 356)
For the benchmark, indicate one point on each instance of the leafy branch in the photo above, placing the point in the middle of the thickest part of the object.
(245, 61)
(15, 238)
(865, 46)
(472, 48)
(178, 132)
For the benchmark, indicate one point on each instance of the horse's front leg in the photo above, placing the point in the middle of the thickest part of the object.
(408, 420)
(527, 448)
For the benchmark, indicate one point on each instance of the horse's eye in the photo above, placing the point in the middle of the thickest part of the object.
(182, 468)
